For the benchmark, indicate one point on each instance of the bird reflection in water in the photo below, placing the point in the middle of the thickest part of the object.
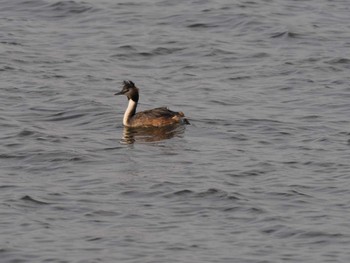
(132, 135)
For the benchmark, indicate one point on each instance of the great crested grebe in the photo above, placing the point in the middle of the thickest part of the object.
(158, 117)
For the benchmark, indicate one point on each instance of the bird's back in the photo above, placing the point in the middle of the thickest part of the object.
(158, 117)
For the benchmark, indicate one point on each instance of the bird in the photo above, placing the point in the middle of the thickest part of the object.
(157, 117)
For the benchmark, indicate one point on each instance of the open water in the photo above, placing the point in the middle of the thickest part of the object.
(262, 174)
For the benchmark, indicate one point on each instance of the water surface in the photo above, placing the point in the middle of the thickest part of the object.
(261, 174)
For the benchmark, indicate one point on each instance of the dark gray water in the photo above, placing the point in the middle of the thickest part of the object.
(261, 175)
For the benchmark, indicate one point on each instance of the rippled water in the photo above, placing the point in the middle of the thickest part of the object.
(261, 175)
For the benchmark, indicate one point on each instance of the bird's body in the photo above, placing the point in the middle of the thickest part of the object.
(158, 117)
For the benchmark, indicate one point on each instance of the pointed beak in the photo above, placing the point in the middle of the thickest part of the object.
(119, 93)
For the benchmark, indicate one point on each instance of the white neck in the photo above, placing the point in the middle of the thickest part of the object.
(129, 112)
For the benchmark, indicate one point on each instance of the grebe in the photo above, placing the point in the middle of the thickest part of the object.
(157, 117)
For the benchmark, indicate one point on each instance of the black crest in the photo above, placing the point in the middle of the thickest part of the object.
(129, 84)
